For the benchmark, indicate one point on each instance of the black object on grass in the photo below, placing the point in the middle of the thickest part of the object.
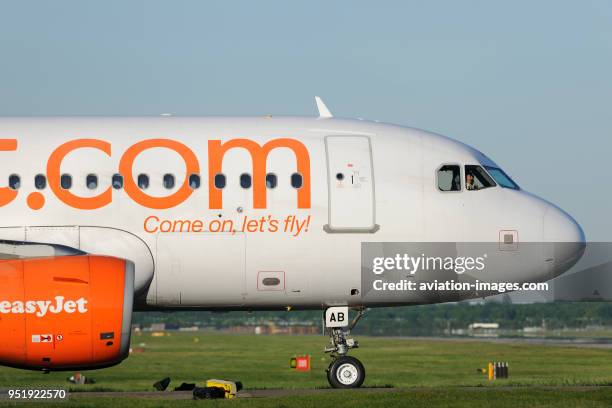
(208, 393)
(185, 387)
(161, 385)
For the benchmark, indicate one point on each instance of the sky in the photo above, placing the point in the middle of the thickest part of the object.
(529, 83)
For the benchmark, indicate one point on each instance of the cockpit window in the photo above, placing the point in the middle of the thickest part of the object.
(449, 178)
(502, 178)
(477, 179)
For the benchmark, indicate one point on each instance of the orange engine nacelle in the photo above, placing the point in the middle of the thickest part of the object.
(63, 313)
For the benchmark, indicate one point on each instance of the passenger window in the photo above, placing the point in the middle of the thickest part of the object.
(168, 181)
(220, 181)
(271, 180)
(40, 181)
(91, 181)
(194, 181)
(245, 180)
(143, 181)
(14, 182)
(117, 181)
(296, 180)
(66, 181)
(449, 178)
(477, 179)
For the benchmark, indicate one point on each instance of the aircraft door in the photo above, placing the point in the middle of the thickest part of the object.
(350, 179)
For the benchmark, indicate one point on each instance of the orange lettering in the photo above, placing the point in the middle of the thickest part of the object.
(160, 203)
(53, 174)
(259, 155)
(146, 223)
(7, 194)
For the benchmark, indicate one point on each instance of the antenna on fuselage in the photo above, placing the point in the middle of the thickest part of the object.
(323, 111)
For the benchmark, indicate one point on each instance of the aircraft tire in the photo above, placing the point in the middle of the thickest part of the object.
(346, 372)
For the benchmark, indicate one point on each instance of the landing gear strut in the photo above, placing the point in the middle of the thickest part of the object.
(344, 371)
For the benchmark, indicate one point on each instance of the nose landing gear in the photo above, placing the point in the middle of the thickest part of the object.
(344, 371)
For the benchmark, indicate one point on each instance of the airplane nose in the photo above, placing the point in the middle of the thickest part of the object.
(566, 237)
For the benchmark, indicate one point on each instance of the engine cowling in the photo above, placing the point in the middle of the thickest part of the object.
(65, 313)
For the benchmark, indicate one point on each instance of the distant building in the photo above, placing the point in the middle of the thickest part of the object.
(483, 329)
(531, 330)
(483, 326)
(157, 327)
(189, 329)
(274, 329)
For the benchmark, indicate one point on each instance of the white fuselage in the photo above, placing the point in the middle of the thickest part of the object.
(387, 192)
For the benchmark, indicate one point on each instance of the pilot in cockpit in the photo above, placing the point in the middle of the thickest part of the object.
(469, 182)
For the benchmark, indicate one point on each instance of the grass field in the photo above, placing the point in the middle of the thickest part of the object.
(430, 372)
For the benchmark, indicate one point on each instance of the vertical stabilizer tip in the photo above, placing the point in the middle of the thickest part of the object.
(323, 111)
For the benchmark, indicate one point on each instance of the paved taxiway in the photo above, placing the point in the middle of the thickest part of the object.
(271, 393)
